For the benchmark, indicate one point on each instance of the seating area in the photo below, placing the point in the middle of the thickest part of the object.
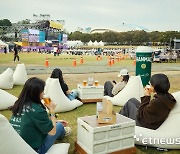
(134, 88)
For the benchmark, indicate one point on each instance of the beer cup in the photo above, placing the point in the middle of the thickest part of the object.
(84, 82)
(96, 83)
(148, 87)
(47, 99)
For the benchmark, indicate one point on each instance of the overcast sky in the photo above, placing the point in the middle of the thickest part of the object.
(161, 15)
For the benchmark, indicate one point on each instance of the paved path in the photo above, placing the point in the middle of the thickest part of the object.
(95, 68)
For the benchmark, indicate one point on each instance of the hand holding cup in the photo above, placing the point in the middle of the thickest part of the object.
(148, 90)
(49, 103)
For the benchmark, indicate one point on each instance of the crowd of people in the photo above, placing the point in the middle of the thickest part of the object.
(40, 129)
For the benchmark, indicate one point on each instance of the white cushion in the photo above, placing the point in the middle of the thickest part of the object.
(168, 131)
(61, 148)
(133, 88)
(20, 75)
(6, 79)
(53, 89)
(6, 99)
(12, 143)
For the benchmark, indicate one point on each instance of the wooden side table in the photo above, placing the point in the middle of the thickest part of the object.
(80, 150)
(90, 100)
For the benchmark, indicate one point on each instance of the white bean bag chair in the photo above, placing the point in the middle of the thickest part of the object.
(133, 88)
(12, 143)
(6, 100)
(53, 89)
(20, 75)
(6, 79)
(167, 135)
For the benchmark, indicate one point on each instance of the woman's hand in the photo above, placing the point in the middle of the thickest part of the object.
(65, 123)
(51, 106)
(68, 92)
(148, 90)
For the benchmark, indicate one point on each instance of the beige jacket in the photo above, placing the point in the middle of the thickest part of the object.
(118, 87)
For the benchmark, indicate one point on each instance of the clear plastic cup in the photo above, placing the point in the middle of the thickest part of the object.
(47, 99)
(84, 82)
(96, 83)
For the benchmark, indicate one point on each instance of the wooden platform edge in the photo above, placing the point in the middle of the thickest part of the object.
(80, 150)
(90, 100)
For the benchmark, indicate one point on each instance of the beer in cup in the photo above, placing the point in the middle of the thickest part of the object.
(84, 82)
(47, 99)
(96, 83)
(148, 87)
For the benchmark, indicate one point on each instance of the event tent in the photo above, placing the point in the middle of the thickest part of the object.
(2, 45)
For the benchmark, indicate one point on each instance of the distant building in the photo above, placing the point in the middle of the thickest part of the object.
(176, 44)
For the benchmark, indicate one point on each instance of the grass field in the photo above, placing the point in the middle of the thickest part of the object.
(34, 59)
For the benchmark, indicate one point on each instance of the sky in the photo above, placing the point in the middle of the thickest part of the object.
(160, 15)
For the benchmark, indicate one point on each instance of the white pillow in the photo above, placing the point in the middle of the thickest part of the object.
(20, 75)
(53, 89)
(61, 148)
(133, 88)
(6, 99)
(12, 143)
(6, 79)
(167, 135)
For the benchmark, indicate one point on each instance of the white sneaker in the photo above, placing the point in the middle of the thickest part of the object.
(67, 131)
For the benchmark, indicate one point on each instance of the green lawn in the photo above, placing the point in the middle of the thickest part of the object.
(86, 109)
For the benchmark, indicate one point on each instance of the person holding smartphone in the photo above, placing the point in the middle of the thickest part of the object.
(111, 88)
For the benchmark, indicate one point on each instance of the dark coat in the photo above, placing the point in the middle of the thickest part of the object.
(152, 113)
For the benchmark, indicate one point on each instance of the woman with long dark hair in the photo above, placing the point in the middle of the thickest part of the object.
(111, 88)
(151, 113)
(31, 120)
(57, 74)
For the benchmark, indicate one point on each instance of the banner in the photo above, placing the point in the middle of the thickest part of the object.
(56, 25)
(41, 36)
(33, 35)
(25, 35)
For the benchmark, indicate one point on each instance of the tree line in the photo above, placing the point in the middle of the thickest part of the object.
(128, 38)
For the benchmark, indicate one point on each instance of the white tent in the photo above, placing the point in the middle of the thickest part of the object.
(74, 43)
(90, 43)
(2, 45)
(101, 43)
(95, 43)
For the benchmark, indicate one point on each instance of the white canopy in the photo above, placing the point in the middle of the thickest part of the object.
(3, 44)
(101, 43)
(90, 43)
(74, 43)
(95, 43)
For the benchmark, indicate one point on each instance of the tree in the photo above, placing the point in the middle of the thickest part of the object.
(5, 22)
(140, 37)
(109, 37)
(85, 37)
(26, 21)
(96, 37)
(75, 36)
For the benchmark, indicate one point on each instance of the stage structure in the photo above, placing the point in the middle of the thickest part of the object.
(40, 22)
